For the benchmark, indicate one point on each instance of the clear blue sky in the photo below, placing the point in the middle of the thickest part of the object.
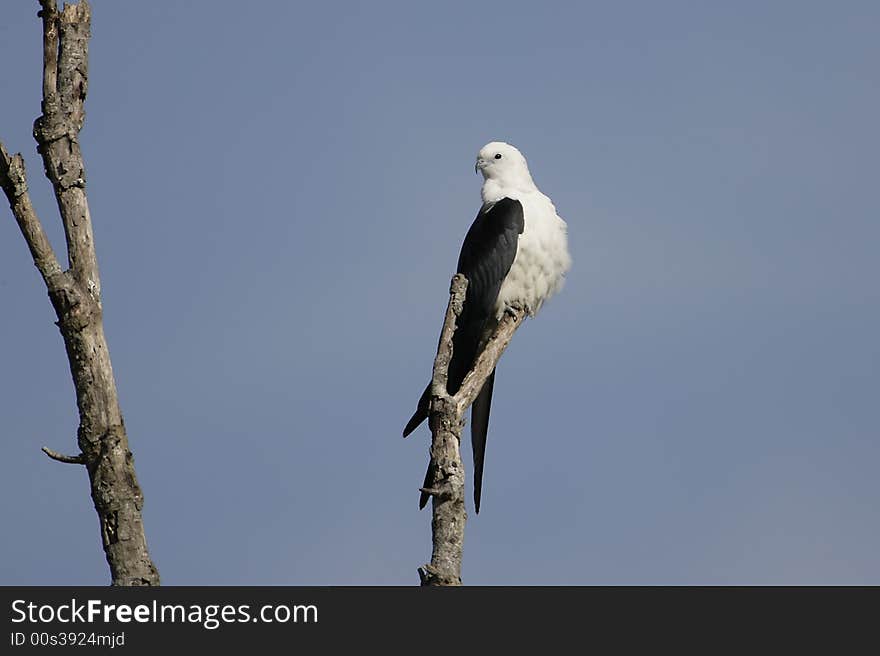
(279, 192)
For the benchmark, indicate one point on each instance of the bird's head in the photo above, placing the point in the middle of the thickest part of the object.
(502, 163)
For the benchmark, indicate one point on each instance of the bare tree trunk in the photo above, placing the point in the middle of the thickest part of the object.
(446, 420)
(76, 292)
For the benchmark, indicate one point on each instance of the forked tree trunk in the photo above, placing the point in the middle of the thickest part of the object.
(76, 292)
(448, 514)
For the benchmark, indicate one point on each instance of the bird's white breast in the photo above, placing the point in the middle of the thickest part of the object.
(542, 258)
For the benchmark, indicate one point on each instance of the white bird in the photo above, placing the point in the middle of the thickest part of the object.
(515, 254)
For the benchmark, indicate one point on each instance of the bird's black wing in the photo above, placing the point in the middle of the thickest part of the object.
(486, 256)
(487, 253)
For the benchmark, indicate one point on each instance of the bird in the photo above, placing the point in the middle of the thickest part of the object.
(515, 255)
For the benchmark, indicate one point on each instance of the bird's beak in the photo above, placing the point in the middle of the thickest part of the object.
(480, 165)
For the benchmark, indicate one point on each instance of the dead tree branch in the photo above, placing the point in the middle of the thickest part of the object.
(76, 292)
(446, 420)
(79, 459)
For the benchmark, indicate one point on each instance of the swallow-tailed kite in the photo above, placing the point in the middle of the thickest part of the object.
(515, 254)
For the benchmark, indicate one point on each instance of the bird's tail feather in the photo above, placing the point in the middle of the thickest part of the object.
(421, 412)
(427, 485)
(479, 430)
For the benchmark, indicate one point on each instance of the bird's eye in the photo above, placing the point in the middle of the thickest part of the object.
(498, 156)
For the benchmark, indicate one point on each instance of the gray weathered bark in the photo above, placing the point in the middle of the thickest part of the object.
(76, 292)
(446, 420)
